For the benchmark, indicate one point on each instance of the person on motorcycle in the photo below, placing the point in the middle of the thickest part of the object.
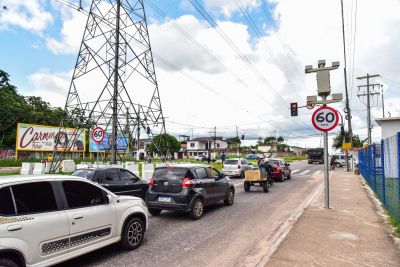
(269, 170)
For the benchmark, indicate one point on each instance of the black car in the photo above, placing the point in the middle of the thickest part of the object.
(118, 180)
(188, 188)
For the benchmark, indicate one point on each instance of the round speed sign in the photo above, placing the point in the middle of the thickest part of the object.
(325, 119)
(98, 134)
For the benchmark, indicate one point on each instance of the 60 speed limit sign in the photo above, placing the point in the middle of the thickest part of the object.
(98, 134)
(325, 119)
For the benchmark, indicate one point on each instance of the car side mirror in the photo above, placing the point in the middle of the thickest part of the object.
(287, 164)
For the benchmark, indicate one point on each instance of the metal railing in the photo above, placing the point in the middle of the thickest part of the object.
(380, 166)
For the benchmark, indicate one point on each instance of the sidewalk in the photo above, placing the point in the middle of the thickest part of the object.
(349, 234)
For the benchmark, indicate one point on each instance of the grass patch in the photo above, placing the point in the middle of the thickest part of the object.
(9, 173)
(294, 158)
(395, 222)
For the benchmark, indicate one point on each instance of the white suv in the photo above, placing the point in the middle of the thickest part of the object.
(45, 220)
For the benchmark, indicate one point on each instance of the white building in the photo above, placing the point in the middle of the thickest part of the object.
(389, 126)
(202, 145)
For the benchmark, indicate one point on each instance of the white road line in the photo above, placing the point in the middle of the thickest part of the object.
(238, 184)
(317, 172)
(306, 171)
(295, 171)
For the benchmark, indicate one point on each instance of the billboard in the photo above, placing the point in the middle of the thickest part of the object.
(105, 145)
(33, 137)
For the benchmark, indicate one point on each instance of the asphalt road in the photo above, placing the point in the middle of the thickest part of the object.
(238, 235)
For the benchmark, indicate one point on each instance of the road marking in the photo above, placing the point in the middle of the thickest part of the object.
(317, 172)
(295, 171)
(306, 171)
(238, 184)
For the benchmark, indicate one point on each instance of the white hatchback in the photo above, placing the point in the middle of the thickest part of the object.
(45, 220)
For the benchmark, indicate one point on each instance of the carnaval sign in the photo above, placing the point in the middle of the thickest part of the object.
(32, 137)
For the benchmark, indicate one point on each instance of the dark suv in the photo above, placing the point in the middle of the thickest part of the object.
(188, 188)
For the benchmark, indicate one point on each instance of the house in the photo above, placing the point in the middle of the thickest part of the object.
(202, 145)
(389, 126)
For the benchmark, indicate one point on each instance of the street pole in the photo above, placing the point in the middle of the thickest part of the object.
(383, 103)
(238, 144)
(115, 93)
(324, 90)
(138, 135)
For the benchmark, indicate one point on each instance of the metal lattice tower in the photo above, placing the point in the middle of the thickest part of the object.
(114, 83)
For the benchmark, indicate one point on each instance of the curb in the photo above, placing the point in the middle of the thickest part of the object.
(381, 212)
(287, 226)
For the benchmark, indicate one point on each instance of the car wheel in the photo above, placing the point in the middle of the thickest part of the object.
(133, 233)
(289, 176)
(246, 186)
(230, 197)
(197, 209)
(154, 212)
(282, 177)
(265, 187)
(241, 174)
(7, 263)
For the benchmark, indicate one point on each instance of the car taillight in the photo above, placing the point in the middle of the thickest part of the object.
(187, 183)
(239, 166)
(151, 182)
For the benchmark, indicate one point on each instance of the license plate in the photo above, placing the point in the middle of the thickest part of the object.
(164, 199)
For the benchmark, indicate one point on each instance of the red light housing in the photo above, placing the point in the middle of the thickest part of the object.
(187, 183)
(151, 182)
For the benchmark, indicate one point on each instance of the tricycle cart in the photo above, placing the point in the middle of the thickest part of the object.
(255, 177)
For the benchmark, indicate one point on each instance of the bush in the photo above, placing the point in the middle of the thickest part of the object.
(15, 162)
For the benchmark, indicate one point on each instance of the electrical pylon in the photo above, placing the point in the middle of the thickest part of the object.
(114, 83)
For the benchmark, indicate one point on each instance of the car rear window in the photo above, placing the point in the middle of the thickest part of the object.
(88, 174)
(170, 173)
(231, 162)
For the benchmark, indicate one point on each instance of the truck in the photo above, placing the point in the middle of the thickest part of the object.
(316, 155)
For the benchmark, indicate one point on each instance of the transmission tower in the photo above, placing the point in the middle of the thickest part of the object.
(114, 83)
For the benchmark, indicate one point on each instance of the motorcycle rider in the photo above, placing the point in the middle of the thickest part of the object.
(269, 170)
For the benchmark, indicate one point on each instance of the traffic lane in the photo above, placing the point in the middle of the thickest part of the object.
(225, 235)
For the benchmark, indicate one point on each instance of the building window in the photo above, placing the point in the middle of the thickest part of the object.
(192, 144)
(218, 145)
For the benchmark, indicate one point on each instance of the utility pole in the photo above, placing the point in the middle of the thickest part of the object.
(115, 94)
(138, 135)
(324, 90)
(215, 139)
(238, 144)
(368, 94)
(347, 109)
(383, 102)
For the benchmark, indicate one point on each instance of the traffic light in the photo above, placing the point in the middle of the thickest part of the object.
(242, 136)
(293, 109)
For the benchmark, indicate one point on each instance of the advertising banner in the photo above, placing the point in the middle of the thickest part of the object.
(32, 137)
(105, 145)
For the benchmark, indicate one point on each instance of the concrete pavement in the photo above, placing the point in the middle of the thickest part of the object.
(349, 234)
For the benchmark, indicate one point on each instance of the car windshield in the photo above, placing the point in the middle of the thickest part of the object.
(231, 162)
(88, 174)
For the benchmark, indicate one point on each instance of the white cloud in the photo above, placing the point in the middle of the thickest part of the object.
(27, 14)
(71, 34)
(228, 7)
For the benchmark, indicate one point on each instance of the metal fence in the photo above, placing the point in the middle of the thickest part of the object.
(380, 166)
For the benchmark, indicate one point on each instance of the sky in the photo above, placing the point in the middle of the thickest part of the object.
(40, 40)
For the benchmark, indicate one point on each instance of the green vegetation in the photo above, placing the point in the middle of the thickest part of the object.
(395, 222)
(338, 140)
(294, 158)
(164, 144)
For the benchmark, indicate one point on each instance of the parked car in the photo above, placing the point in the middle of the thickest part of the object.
(204, 158)
(118, 180)
(251, 156)
(340, 159)
(236, 167)
(281, 169)
(45, 220)
(189, 188)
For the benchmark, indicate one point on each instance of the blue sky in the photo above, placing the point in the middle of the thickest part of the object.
(24, 52)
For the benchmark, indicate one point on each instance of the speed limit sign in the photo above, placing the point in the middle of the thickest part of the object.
(325, 119)
(98, 134)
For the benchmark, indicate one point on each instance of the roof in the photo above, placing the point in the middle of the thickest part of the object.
(29, 178)
(205, 139)
(379, 121)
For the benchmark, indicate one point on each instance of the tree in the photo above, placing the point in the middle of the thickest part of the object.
(233, 142)
(338, 140)
(164, 144)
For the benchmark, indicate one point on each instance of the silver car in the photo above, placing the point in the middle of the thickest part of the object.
(236, 167)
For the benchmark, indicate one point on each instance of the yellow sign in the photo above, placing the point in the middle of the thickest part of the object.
(346, 146)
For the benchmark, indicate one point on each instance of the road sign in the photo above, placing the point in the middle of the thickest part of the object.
(310, 106)
(325, 119)
(346, 146)
(98, 134)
